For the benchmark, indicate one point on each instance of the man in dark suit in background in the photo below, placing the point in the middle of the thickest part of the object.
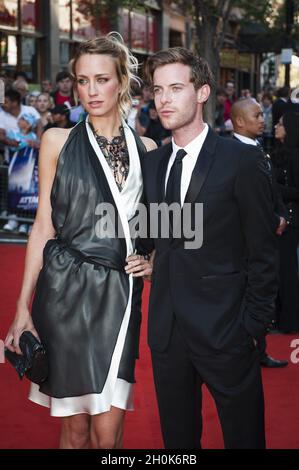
(208, 304)
(248, 122)
(280, 105)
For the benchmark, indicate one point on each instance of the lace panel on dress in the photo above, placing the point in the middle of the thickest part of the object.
(116, 154)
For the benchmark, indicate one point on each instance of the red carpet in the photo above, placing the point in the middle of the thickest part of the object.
(25, 425)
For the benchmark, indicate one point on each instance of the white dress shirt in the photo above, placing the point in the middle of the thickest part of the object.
(246, 140)
(189, 161)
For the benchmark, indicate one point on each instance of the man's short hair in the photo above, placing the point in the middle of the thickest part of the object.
(13, 95)
(61, 109)
(200, 72)
(283, 92)
(62, 76)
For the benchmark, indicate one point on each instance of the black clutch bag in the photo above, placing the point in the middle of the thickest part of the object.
(33, 363)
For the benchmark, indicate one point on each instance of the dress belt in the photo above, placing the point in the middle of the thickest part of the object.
(81, 258)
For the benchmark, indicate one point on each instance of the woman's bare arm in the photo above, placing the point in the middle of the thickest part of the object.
(42, 230)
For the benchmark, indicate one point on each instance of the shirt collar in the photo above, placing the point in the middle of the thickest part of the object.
(245, 140)
(194, 147)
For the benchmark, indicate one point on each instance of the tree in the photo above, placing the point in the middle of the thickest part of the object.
(212, 21)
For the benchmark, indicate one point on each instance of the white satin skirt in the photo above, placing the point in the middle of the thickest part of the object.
(116, 392)
(92, 404)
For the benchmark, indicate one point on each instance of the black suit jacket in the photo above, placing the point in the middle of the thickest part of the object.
(278, 204)
(218, 302)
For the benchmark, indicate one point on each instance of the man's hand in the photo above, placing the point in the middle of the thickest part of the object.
(138, 266)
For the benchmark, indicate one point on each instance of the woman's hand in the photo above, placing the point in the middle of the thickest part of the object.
(22, 322)
(138, 266)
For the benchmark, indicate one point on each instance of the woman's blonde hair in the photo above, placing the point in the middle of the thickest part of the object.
(126, 64)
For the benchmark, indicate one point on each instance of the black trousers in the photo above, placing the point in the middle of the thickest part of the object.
(288, 316)
(233, 379)
(262, 346)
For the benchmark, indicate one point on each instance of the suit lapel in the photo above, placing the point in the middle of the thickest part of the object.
(204, 162)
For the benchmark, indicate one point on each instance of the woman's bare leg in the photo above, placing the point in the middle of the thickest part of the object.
(106, 430)
(75, 432)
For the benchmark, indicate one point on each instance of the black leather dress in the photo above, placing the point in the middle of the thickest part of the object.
(82, 290)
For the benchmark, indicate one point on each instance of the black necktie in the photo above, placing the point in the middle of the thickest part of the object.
(173, 190)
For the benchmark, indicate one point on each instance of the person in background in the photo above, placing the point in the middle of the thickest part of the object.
(245, 93)
(32, 98)
(46, 86)
(20, 75)
(143, 110)
(231, 98)
(266, 105)
(221, 97)
(21, 86)
(280, 104)
(248, 121)
(154, 129)
(136, 100)
(286, 162)
(64, 92)
(10, 113)
(25, 135)
(44, 103)
(60, 117)
(21, 138)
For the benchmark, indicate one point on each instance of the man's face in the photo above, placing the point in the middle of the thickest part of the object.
(8, 105)
(147, 94)
(253, 121)
(221, 99)
(230, 89)
(65, 85)
(46, 85)
(176, 99)
(57, 117)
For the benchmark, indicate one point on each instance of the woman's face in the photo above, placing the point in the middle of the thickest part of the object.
(280, 132)
(97, 84)
(32, 101)
(42, 103)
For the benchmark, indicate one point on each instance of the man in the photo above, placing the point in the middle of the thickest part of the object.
(10, 113)
(64, 92)
(60, 117)
(280, 104)
(221, 97)
(205, 310)
(248, 121)
(231, 98)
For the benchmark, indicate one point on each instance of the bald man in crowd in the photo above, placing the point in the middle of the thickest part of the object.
(248, 124)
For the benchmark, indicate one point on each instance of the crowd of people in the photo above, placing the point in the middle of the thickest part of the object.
(210, 329)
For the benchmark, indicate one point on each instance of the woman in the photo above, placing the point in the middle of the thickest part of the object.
(84, 310)
(286, 162)
(44, 103)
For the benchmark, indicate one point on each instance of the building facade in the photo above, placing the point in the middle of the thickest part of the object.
(39, 36)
